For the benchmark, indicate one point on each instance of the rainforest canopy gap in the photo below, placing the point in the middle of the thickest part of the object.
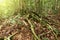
(8, 7)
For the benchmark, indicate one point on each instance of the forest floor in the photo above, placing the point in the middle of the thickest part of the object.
(24, 31)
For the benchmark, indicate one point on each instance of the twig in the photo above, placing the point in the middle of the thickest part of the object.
(32, 29)
(52, 31)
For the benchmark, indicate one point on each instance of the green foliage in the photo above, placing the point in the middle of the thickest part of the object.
(9, 7)
(43, 7)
